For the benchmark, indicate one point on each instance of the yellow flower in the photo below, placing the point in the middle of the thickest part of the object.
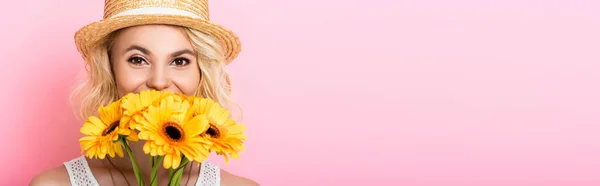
(102, 133)
(135, 104)
(225, 134)
(170, 133)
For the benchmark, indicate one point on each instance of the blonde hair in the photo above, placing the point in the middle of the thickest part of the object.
(99, 88)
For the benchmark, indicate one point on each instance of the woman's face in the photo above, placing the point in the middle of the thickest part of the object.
(156, 57)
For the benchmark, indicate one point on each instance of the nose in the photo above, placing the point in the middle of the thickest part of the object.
(159, 79)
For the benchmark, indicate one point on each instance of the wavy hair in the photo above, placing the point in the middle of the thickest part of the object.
(99, 87)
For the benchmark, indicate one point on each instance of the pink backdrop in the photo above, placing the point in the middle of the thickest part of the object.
(345, 92)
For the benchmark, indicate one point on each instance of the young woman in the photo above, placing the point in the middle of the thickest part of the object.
(149, 44)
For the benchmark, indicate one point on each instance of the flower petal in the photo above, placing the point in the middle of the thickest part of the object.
(168, 161)
(196, 126)
(176, 159)
(235, 129)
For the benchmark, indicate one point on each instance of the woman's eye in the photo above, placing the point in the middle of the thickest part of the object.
(180, 62)
(137, 61)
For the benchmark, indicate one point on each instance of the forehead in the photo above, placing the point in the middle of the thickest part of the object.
(153, 37)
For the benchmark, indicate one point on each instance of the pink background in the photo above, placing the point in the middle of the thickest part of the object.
(346, 92)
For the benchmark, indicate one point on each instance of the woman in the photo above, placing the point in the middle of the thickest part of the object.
(141, 45)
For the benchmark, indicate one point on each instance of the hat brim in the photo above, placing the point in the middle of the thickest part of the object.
(91, 34)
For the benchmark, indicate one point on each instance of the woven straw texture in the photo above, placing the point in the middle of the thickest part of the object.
(93, 33)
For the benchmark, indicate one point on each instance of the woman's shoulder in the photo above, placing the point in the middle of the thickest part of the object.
(229, 179)
(61, 174)
(57, 176)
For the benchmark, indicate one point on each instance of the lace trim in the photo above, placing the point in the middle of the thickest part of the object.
(210, 175)
(80, 173)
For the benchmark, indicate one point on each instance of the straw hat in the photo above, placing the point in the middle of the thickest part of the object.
(125, 13)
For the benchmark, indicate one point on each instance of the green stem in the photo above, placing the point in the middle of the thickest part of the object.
(154, 174)
(136, 168)
(171, 172)
(152, 161)
(175, 179)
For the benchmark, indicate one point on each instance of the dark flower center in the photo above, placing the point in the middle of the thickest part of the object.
(111, 128)
(173, 131)
(213, 131)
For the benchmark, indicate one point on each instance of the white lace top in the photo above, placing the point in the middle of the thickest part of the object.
(81, 175)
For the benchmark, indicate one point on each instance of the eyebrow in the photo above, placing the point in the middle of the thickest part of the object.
(147, 52)
(181, 52)
(136, 47)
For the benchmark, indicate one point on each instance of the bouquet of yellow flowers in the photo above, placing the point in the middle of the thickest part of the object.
(175, 129)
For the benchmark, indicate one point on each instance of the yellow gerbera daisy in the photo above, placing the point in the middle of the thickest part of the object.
(225, 134)
(169, 133)
(102, 133)
(135, 104)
